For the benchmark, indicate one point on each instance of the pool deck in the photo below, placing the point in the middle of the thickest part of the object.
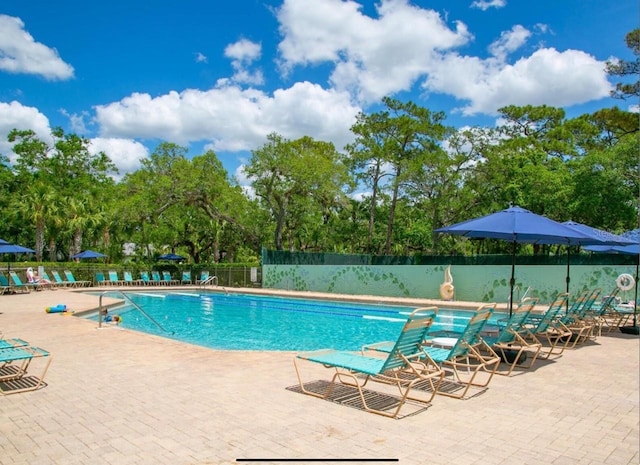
(113, 396)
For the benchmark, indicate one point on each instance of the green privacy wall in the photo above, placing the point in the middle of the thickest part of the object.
(486, 283)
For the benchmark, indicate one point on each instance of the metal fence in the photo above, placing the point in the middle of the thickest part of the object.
(228, 276)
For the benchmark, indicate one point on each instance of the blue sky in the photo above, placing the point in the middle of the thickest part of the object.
(223, 75)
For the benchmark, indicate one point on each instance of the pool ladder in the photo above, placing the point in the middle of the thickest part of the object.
(101, 312)
(214, 281)
(528, 291)
(210, 280)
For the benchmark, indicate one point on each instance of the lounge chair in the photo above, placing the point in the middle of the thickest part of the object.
(54, 284)
(168, 280)
(17, 283)
(100, 279)
(59, 281)
(5, 287)
(157, 280)
(10, 343)
(145, 279)
(129, 281)
(38, 283)
(114, 280)
(547, 330)
(576, 318)
(459, 356)
(75, 283)
(605, 315)
(186, 277)
(510, 344)
(204, 277)
(400, 368)
(15, 363)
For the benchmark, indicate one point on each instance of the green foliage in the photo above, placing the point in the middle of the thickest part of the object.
(413, 173)
(627, 68)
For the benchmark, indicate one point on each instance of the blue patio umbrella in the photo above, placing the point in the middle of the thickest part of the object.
(13, 249)
(171, 256)
(606, 238)
(518, 225)
(88, 254)
(2, 242)
(632, 249)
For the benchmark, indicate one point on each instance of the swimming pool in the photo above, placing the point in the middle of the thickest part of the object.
(258, 322)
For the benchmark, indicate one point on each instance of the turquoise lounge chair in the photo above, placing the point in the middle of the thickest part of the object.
(157, 280)
(53, 284)
(168, 280)
(400, 368)
(15, 362)
(128, 279)
(10, 343)
(510, 344)
(186, 277)
(145, 279)
(204, 277)
(19, 285)
(547, 330)
(605, 315)
(461, 358)
(114, 280)
(75, 283)
(4, 284)
(577, 320)
(59, 281)
(100, 279)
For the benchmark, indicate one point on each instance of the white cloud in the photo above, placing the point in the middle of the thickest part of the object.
(126, 154)
(14, 115)
(76, 121)
(486, 4)
(20, 53)
(509, 42)
(244, 53)
(367, 56)
(375, 57)
(546, 77)
(244, 181)
(372, 57)
(231, 118)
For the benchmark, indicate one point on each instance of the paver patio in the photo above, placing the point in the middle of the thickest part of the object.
(114, 396)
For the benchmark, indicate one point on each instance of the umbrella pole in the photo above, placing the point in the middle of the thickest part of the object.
(568, 278)
(512, 281)
(634, 329)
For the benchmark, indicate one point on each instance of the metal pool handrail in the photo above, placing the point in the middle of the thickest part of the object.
(128, 299)
(209, 280)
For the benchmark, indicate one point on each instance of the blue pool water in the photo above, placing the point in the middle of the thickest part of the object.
(256, 322)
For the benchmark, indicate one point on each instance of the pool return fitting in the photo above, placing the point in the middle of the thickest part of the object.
(103, 311)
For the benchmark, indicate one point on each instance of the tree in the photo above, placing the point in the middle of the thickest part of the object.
(53, 174)
(176, 202)
(627, 68)
(297, 181)
(386, 144)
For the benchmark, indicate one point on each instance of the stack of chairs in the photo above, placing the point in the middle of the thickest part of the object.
(16, 358)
